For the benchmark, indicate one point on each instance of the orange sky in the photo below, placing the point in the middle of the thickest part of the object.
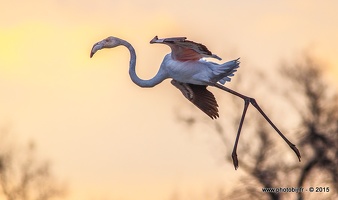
(106, 136)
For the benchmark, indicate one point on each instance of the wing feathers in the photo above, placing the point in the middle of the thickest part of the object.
(200, 97)
(184, 50)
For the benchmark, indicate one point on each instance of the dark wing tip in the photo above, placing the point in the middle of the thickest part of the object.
(154, 40)
(170, 40)
(216, 56)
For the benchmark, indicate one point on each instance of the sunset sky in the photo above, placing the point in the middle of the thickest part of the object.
(108, 138)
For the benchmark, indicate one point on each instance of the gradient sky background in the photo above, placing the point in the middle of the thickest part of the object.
(110, 139)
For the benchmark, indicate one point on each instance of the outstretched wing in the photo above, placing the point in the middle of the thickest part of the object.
(184, 50)
(200, 97)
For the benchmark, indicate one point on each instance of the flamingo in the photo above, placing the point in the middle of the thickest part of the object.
(192, 75)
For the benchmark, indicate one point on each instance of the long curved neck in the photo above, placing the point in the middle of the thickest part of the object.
(158, 78)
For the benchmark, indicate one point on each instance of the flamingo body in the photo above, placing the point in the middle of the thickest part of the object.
(199, 72)
(192, 75)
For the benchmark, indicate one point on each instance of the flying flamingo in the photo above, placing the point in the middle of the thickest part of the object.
(191, 75)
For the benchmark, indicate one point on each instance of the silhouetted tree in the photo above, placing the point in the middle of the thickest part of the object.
(22, 176)
(315, 104)
(318, 126)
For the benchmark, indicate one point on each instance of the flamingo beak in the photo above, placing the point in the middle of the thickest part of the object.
(96, 47)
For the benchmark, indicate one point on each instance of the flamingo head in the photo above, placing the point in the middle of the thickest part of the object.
(109, 42)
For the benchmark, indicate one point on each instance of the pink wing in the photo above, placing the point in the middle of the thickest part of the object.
(184, 50)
